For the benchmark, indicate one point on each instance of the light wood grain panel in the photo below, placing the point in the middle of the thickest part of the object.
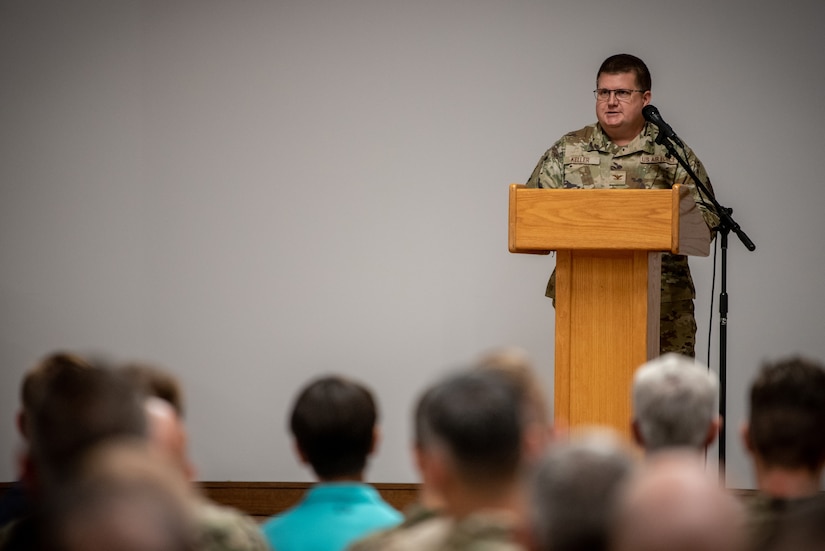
(542, 219)
(604, 309)
(608, 274)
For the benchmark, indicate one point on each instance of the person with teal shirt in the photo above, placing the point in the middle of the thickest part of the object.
(333, 422)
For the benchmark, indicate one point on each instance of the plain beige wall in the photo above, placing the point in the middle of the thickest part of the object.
(254, 193)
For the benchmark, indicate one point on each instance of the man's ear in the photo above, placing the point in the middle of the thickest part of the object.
(560, 431)
(637, 433)
(431, 464)
(20, 420)
(536, 438)
(302, 456)
(376, 439)
(713, 430)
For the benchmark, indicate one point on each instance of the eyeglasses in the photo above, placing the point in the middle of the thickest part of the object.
(603, 94)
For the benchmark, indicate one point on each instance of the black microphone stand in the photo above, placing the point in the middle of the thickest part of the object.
(726, 225)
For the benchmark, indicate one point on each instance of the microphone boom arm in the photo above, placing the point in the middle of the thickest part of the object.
(726, 222)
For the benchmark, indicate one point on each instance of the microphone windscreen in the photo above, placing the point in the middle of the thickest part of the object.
(650, 113)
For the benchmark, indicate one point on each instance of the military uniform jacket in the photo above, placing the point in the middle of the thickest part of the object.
(587, 159)
(480, 531)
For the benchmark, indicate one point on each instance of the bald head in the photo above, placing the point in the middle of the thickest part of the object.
(674, 505)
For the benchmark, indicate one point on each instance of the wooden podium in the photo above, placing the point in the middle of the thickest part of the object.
(608, 279)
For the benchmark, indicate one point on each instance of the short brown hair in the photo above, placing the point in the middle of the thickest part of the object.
(787, 414)
(81, 408)
(626, 63)
(37, 380)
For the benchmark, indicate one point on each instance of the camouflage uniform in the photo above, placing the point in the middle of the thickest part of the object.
(222, 528)
(489, 531)
(483, 532)
(217, 528)
(587, 159)
(764, 515)
(405, 534)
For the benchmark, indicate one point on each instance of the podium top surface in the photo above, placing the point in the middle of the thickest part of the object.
(543, 220)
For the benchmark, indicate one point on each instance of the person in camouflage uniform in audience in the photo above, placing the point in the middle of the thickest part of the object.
(620, 152)
(426, 523)
(470, 451)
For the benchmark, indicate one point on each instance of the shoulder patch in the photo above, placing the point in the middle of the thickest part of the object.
(581, 159)
(657, 159)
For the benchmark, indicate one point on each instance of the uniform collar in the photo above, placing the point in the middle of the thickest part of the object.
(644, 142)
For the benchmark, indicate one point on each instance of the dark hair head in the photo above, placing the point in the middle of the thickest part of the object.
(333, 421)
(626, 63)
(80, 409)
(476, 416)
(575, 488)
(37, 380)
(515, 364)
(787, 414)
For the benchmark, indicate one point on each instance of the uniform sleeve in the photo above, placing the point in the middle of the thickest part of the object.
(549, 172)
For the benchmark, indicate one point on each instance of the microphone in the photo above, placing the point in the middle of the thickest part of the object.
(651, 114)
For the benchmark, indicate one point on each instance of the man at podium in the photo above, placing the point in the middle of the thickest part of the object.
(620, 152)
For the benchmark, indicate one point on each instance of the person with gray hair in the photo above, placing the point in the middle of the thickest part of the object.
(574, 490)
(675, 404)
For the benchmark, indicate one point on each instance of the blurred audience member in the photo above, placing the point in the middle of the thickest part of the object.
(515, 364)
(124, 497)
(428, 522)
(164, 409)
(471, 426)
(428, 507)
(158, 382)
(574, 491)
(219, 528)
(672, 504)
(16, 501)
(72, 412)
(675, 404)
(784, 436)
(79, 410)
(802, 528)
(334, 422)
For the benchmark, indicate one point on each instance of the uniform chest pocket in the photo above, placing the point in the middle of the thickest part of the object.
(578, 176)
(581, 171)
(658, 175)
